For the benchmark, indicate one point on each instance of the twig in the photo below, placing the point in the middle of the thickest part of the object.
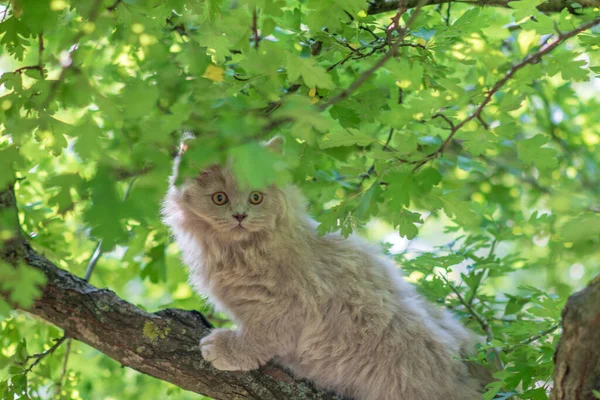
(58, 386)
(381, 62)
(388, 140)
(40, 64)
(255, 29)
(41, 54)
(276, 104)
(40, 356)
(533, 338)
(114, 6)
(530, 59)
(93, 261)
(366, 28)
(21, 69)
(489, 257)
(448, 120)
(6, 8)
(385, 147)
(485, 326)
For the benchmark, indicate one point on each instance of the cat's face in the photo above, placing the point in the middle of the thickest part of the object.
(231, 212)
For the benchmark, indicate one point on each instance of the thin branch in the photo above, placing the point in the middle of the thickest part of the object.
(40, 356)
(485, 326)
(533, 338)
(41, 54)
(255, 34)
(448, 120)
(5, 12)
(381, 62)
(367, 29)
(478, 284)
(371, 170)
(60, 380)
(25, 68)
(276, 104)
(388, 140)
(530, 59)
(114, 6)
(93, 261)
(40, 64)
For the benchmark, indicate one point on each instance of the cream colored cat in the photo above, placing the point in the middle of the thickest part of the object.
(332, 310)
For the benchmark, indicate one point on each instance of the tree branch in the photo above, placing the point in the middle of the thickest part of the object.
(485, 326)
(533, 338)
(164, 344)
(380, 6)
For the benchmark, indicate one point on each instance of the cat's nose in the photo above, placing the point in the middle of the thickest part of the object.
(240, 217)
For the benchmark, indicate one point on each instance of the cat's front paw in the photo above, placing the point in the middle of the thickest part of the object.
(222, 349)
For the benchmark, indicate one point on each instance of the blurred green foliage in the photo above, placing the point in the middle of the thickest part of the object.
(96, 94)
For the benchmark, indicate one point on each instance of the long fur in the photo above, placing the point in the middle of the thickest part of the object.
(332, 310)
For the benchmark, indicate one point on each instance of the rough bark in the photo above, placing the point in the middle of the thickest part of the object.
(380, 6)
(577, 358)
(162, 344)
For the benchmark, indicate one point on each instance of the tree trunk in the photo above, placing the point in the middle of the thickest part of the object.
(577, 358)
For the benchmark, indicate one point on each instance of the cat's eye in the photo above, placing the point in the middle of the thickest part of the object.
(219, 198)
(256, 197)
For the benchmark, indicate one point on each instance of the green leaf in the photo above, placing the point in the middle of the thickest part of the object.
(478, 142)
(9, 159)
(255, 166)
(349, 137)
(22, 283)
(460, 210)
(531, 152)
(14, 36)
(514, 305)
(405, 221)
(367, 207)
(156, 269)
(312, 74)
(138, 98)
(399, 189)
(105, 201)
(524, 8)
(491, 390)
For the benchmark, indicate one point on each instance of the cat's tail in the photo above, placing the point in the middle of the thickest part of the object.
(177, 159)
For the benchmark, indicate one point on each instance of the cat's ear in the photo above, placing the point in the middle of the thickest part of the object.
(276, 145)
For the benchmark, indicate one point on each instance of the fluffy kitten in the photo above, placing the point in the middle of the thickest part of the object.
(330, 309)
